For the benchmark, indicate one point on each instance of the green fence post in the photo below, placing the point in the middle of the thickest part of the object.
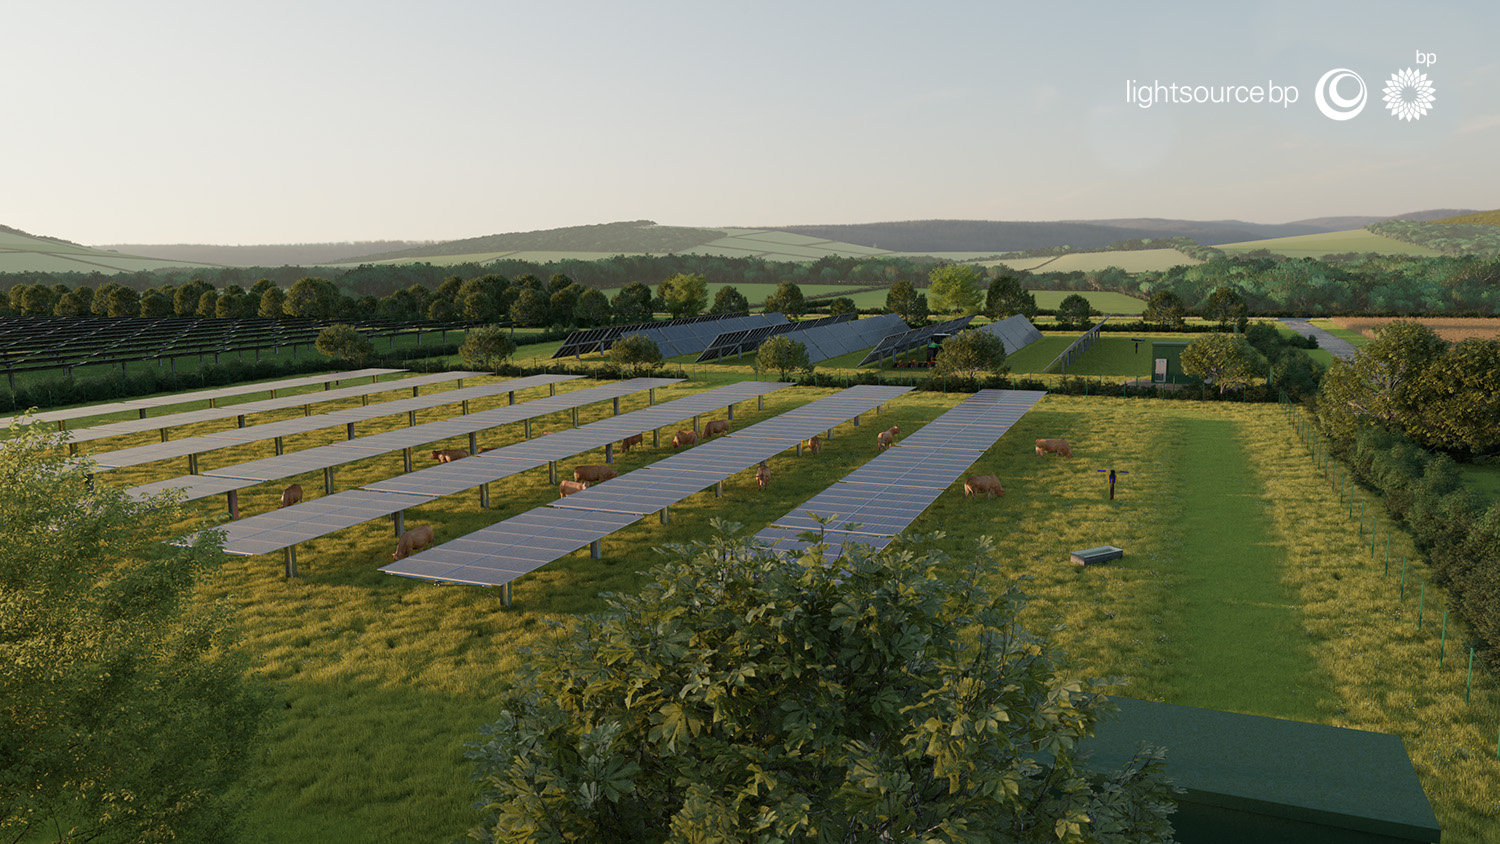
(1421, 599)
(1403, 578)
(1361, 518)
(1443, 639)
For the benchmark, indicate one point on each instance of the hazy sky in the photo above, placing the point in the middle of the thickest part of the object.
(167, 122)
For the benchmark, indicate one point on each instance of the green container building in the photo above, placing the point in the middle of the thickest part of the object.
(1166, 358)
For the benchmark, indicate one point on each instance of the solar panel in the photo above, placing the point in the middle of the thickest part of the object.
(673, 337)
(297, 462)
(904, 341)
(787, 541)
(638, 493)
(500, 553)
(1015, 332)
(279, 529)
(195, 487)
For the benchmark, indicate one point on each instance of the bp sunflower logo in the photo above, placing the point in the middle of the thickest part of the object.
(1408, 95)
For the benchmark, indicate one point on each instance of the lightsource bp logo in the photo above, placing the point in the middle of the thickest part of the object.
(1334, 105)
(1408, 95)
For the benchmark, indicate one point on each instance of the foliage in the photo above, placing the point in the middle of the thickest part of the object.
(311, 297)
(123, 715)
(592, 309)
(729, 301)
(487, 347)
(344, 342)
(787, 300)
(739, 697)
(954, 289)
(904, 301)
(1291, 368)
(1225, 360)
(531, 308)
(1226, 305)
(155, 305)
(970, 352)
(841, 305)
(1074, 312)
(271, 302)
(783, 354)
(1449, 238)
(1006, 298)
(1165, 309)
(637, 353)
(633, 304)
(685, 295)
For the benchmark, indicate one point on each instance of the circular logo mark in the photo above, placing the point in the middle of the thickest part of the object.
(1334, 105)
(1408, 95)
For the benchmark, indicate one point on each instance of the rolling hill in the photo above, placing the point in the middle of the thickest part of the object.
(24, 252)
(1478, 218)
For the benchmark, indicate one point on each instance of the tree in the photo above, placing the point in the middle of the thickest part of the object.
(344, 342)
(531, 308)
(842, 305)
(954, 289)
(272, 303)
(70, 304)
(787, 300)
(1384, 384)
(633, 304)
(1224, 359)
(487, 347)
(904, 301)
(1225, 305)
(100, 304)
(231, 303)
(1464, 383)
(729, 301)
(311, 297)
(479, 305)
(1074, 311)
(684, 295)
(970, 352)
(562, 303)
(1006, 298)
(186, 298)
(1165, 308)
(783, 354)
(637, 353)
(154, 304)
(742, 697)
(38, 299)
(124, 713)
(208, 303)
(592, 309)
(123, 302)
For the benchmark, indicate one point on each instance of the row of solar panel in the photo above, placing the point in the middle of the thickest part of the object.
(824, 342)
(739, 342)
(879, 500)
(198, 395)
(896, 344)
(320, 516)
(1077, 347)
(600, 339)
(1015, 332)
(139, 455)
(500, 553)
(694, 338)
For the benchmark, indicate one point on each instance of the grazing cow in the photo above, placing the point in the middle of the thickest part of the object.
(986, 485)
(1053, 447)
(595, 473)
(762, 475)
(412, 540)
(626, 443)
(717, 426)
(448, 455)
(484, 448)
(886, 439)
(567, 488)
(815, 445)
(291, 495)
(684, 438)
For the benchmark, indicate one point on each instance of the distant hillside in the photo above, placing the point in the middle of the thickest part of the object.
(1477, 218)
(1338, 224)
(264, 255)
(27, 253)
(611, 238)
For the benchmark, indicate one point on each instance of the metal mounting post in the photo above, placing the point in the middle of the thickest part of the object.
(484, 496)
(665, 517)
(609, 452)
(505, 596)
(328, 480)
(399, 518)
(192, 464)
(406, 459)
(280, 450)
(552, 470)
(291, 561)
(651, 396)
(473, 443)
(465, 410)
(512, 395)
(349, 430)
(240, 420)
(233, 503)
(595, 549)
(617, 405)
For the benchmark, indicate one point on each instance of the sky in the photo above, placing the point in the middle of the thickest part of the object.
(311, 121)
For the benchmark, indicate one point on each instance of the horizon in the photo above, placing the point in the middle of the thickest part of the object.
(176, 123)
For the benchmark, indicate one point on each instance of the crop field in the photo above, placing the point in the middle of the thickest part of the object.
(1452, 329)
(20, 253)
(1329, 243)
(1131, 261)
(1244, 587)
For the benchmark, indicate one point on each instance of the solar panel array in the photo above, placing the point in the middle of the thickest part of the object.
(210, 414)
(674, 337)
(830, 341)
(905, 341)
(328, 456)
(1075, 350)
(500, 553)
(197, 395)
(251, 536)
(739, 342)
(1015, 332)
(880, 499)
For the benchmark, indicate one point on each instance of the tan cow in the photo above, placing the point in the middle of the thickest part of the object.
(815, 445)
(628, 442)
(594, 473)
(762, 475)
(567, 488)
(484, 448)
(886, 439)
(291, 495)
(986, 485)
(684, 438)
(717, 426)
(412, 540)
(1053, 447)
(448, 455)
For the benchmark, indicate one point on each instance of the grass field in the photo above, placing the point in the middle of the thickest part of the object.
(1452, 329)
(1131, 261)
(1355, 338)
(1329, 243)
(1483, 478)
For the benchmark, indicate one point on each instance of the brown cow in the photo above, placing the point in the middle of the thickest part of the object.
(626, 443)
(412, 540)
(717, 426)
(1053, 447)
(448, 455)
(684, 438)
(886, 439)
(762, 475)
(567, 488)
(815, 445)
(484, 448)
(594, 473)
(986, 485)
(291, 495)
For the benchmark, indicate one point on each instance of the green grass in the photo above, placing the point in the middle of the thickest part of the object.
(1131, 261)
(1354, 337)
(1329, 243)
(1483, 478)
